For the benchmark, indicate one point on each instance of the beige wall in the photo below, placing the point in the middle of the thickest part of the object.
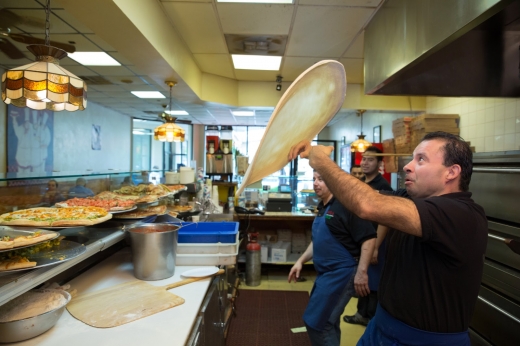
(490, 124)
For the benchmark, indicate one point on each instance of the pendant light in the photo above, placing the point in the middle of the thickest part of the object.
(44, 84)
(360, 144)
(169, 131)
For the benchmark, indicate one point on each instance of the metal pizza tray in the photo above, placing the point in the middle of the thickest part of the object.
(63, 252)
(14, 232)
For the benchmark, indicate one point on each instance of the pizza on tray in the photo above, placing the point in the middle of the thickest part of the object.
(107, 204)
(7, 242)
(56, 217)
(142, 213)
(18, 262)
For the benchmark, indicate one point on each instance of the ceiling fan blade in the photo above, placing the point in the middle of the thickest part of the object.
(10, 49)
(35, 40)
(10, 18)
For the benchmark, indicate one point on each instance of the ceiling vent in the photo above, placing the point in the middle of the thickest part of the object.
(95, 80)
(256, 45)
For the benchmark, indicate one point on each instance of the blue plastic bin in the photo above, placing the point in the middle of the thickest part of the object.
(208, 232)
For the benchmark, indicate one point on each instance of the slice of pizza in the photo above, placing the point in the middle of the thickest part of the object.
(34, 238)
(6, 243)
(16, 263)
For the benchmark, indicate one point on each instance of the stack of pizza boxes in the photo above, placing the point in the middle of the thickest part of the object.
(402, 135)
(390, 161)
(427, 123)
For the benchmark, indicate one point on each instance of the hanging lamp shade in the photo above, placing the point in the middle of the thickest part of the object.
(169, 131)
(44, 84)
(360, 144)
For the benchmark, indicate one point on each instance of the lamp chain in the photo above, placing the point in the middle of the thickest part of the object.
(171, 86)
(47, 23)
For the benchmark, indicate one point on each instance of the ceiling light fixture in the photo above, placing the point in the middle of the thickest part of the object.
(169, 131)
(260, 1)
(44, 84)
(179, 112)
(243, 113)
(256, 62)
(94, 59)
(360, 144)
(148, 94)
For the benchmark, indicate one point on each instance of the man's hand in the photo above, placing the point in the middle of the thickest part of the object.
(306, 151)
(361, 284)
(295, 272)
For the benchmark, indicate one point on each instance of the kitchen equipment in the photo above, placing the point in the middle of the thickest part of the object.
(171, 178)
(277, 201)
(302, 112)
(187, 175)
(511, 243)
(154, 247)
(127, 302)
(31, 327)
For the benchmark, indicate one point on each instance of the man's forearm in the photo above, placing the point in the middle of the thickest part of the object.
(307, 255)
(367, 249)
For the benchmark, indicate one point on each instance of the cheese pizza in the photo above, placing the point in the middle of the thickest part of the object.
(56, 217)
(107, 204)
(7, 242)
(142, 213)
(16, 263)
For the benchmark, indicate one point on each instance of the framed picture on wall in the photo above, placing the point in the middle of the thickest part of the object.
(377, 134)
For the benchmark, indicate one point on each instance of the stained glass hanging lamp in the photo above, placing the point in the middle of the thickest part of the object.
(169, 131)
(44, 84)
(360, 144)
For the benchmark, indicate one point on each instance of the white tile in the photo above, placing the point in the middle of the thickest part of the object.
(478, 143)
(499, 143)
(489, 115)
(510, 110)
(488, 144)
(489, 129)
(500, 111)
(481, 116)
(499, 128)
(509, 124)
(480, 131)
(517, 124)
(472, 132)
(469, 118)
(509, 142)
(517, 140)
(518, 104)
(489, 103)
(472, 105)
(463, 106)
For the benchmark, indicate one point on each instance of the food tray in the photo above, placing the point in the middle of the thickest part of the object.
(17, 231)
(208, 232)
(205, 260)
(204, 249)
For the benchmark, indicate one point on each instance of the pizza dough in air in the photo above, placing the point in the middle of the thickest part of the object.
(303, 111)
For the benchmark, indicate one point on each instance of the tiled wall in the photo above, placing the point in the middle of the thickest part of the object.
(490, 124)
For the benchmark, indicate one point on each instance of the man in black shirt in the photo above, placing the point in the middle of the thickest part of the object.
(366, 306)
(340, 240)
(436, 244)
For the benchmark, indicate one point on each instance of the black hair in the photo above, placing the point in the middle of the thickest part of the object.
(55, 182)
(376, 150)
(456, 152)
(354, 166)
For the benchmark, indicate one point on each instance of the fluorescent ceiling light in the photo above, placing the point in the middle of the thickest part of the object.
(148, 94)
(243, 113)
(177, 112)
(256, 62)
(260, 1)
(93, 59)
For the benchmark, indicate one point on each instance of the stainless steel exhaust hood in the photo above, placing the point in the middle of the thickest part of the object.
(444, 48)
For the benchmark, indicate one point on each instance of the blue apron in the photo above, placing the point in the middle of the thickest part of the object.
(334, 266)
(375, 270)
(384, 329)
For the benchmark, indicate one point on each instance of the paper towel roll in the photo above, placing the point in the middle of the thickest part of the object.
(171, 178)
(187, 175)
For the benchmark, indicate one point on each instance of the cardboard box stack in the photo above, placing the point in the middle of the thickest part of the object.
(402, 135)
(280, 251)
(427, 123)
(390, 161)
(298, 243)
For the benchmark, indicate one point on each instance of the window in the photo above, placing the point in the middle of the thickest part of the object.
(141, 150)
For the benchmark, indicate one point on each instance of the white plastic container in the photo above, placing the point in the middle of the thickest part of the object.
(204, 249)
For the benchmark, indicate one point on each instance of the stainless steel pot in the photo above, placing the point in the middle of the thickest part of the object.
(154, 247)
(31, 327)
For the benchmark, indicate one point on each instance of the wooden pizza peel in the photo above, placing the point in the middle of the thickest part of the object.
(127, 302)
(305, 108)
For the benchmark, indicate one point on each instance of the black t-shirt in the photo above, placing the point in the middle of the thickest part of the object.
(379, 183)
(431, 283)
(346, 227)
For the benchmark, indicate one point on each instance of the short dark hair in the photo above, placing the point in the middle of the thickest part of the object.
(354, 166)
(456, 152)
(376, 150)
(52, 180)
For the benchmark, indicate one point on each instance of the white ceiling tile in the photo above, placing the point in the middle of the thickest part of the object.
(294, 66)
(356, 49)
(217, 64)
(362, 3)
(198, 25)
(338, 26)
(111, 70)
(255, 19)
(253, 75)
